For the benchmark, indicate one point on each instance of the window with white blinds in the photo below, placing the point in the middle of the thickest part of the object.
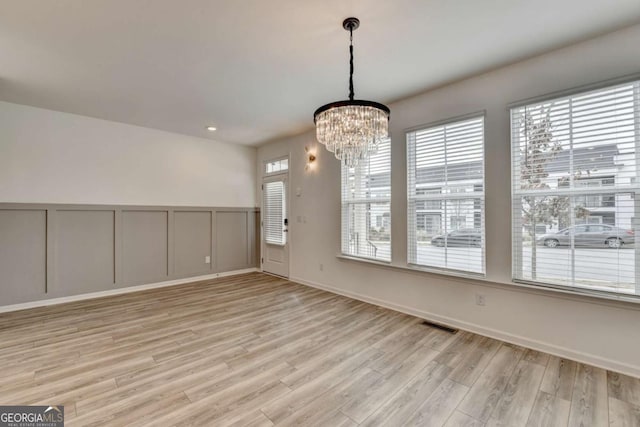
(274, 213)
(366, 206)
(576, 206)
(445, 196)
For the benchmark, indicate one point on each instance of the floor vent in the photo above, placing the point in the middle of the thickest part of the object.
(441, 327)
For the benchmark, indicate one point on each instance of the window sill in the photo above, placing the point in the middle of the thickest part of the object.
(415, 268)
(365, 260)
(583, 295)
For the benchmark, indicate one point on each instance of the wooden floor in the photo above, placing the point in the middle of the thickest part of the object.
(254, 350)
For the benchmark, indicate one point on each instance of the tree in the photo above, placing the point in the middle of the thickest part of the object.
(540, 149)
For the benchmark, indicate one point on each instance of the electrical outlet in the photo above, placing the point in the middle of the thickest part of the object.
(480, 299)
(207, 259)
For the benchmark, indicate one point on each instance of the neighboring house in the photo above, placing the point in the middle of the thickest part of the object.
(596, 167)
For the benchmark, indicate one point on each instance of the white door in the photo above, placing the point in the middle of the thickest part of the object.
(275, 239)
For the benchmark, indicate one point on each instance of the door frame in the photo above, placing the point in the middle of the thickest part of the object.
(275, 177)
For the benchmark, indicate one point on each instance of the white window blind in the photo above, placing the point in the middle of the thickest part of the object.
(366, 206)
(575, 176)
(274, 211)
(445, 178)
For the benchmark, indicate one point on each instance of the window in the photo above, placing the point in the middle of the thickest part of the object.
(575, 201)
(432, 205)
(595, 200)
(445, 177)
(429, 223)
(274, 211)
(276, 166)
(458, 222)
(366, 199)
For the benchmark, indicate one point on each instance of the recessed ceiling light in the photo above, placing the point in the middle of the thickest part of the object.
(211, 128)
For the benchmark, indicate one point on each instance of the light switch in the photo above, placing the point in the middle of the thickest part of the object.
(298, 191)
(207, 259)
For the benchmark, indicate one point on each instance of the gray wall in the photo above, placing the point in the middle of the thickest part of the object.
(50, 251)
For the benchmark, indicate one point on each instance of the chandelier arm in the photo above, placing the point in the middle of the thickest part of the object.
(351, 95)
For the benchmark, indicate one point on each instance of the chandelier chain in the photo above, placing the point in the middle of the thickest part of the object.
(351, 64)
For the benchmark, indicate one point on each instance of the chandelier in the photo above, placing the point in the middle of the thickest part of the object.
(351, 129)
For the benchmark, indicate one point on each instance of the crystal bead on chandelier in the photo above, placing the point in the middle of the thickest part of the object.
(351, 129)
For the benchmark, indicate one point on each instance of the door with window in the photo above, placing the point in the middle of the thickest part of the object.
(275, 226)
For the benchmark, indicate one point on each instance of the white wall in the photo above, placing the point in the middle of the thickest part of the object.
(53, 157)
(605, 333)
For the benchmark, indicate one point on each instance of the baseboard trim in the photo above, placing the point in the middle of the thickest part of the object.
(553, 349)
(119, 291)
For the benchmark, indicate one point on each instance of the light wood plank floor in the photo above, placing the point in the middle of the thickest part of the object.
(254, 350)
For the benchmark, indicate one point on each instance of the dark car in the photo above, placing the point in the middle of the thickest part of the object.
(465, 237)
(588, 235)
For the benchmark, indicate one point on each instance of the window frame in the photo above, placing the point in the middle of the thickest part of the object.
(367, 201)
(265, 164)
(472, 195)
(634, 186)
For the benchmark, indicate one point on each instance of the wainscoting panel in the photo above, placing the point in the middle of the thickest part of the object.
(51, 250)
(232, 249)
(23, 255)
(254, 226)
(145, 247)
(192, 242)
(85, 252)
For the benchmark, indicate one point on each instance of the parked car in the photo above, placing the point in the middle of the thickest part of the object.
(465, 237)
(588, 235)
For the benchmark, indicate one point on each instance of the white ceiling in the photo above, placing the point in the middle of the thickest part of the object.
(257, 69)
